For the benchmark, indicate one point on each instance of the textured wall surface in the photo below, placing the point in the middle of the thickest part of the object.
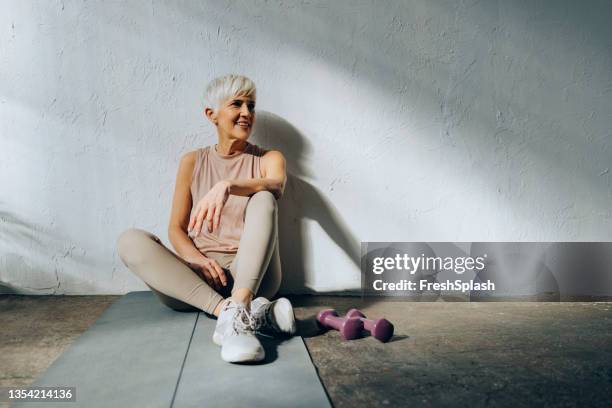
(401, 121)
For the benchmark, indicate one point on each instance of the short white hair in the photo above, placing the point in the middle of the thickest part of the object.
(228, 86)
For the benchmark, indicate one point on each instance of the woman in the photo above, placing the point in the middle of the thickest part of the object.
(223, 226)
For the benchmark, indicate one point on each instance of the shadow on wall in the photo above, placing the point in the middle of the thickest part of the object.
(20, 238)
(559, 271)
(33, 257)
(518, 271)
(300, 201)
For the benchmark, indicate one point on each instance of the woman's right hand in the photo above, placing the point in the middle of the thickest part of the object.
(214, 275)
(207, 212)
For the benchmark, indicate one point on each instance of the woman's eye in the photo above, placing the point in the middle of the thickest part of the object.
(251, 107)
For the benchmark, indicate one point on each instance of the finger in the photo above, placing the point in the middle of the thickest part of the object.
(199, 219)
(221, 274)
(214, 283)
(215, 275)
(192, 219)
(209, 218)
(217, 216)
(208, 278)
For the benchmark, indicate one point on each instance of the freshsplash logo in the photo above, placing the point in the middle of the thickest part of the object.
(546, 271)
(409, 269)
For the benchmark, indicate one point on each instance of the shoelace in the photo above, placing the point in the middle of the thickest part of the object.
(242, 320)
(262, 319)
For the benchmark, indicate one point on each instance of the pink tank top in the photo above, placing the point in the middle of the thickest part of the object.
(210, 168)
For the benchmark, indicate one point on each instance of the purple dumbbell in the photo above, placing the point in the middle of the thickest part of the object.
(349, 328)
(382, 329)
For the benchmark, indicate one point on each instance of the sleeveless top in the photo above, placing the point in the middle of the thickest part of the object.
(210, 168)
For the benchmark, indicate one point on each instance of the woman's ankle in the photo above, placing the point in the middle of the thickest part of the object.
(243, 296)
(219, 306)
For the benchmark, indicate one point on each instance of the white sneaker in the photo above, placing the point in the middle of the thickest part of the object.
(273, 317)
(234, 333)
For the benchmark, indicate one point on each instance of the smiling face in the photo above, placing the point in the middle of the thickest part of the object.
(234, 117)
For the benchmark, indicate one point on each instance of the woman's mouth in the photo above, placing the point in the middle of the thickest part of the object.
(244, 125)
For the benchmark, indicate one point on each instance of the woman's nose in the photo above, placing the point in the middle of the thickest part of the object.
(244, 110)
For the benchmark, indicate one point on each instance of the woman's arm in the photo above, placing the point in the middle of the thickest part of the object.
(179, 220)
(207, 212)
(181, 208)
(273, 180)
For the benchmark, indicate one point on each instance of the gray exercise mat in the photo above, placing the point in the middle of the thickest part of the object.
(130, 357)
(286, 378)
(140, 353)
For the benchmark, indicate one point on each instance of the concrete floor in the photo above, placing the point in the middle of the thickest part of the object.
(506, 354)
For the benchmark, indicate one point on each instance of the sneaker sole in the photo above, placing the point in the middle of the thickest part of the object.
(244, 357)
(283, 314)
(217, 339)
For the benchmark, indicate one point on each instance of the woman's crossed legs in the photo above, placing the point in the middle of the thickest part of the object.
(255, 267)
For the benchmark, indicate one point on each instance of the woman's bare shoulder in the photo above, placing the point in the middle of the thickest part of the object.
(189, 157)
(273, 156)
(187, 164)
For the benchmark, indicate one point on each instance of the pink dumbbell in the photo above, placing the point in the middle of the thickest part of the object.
(381, 329)
(349, 328)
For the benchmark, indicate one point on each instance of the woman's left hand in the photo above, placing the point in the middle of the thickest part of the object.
(208, 210)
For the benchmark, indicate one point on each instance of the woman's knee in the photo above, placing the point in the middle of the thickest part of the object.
(263, 201)
(172, 303)
(129, 244)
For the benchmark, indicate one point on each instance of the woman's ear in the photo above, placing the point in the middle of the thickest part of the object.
(211, 115)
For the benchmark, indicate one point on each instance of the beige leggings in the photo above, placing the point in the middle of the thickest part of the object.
(256, 266)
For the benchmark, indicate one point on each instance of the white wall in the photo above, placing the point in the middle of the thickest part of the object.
(402, 121)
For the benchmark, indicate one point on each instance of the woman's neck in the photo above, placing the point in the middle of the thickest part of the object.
(229, 147)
